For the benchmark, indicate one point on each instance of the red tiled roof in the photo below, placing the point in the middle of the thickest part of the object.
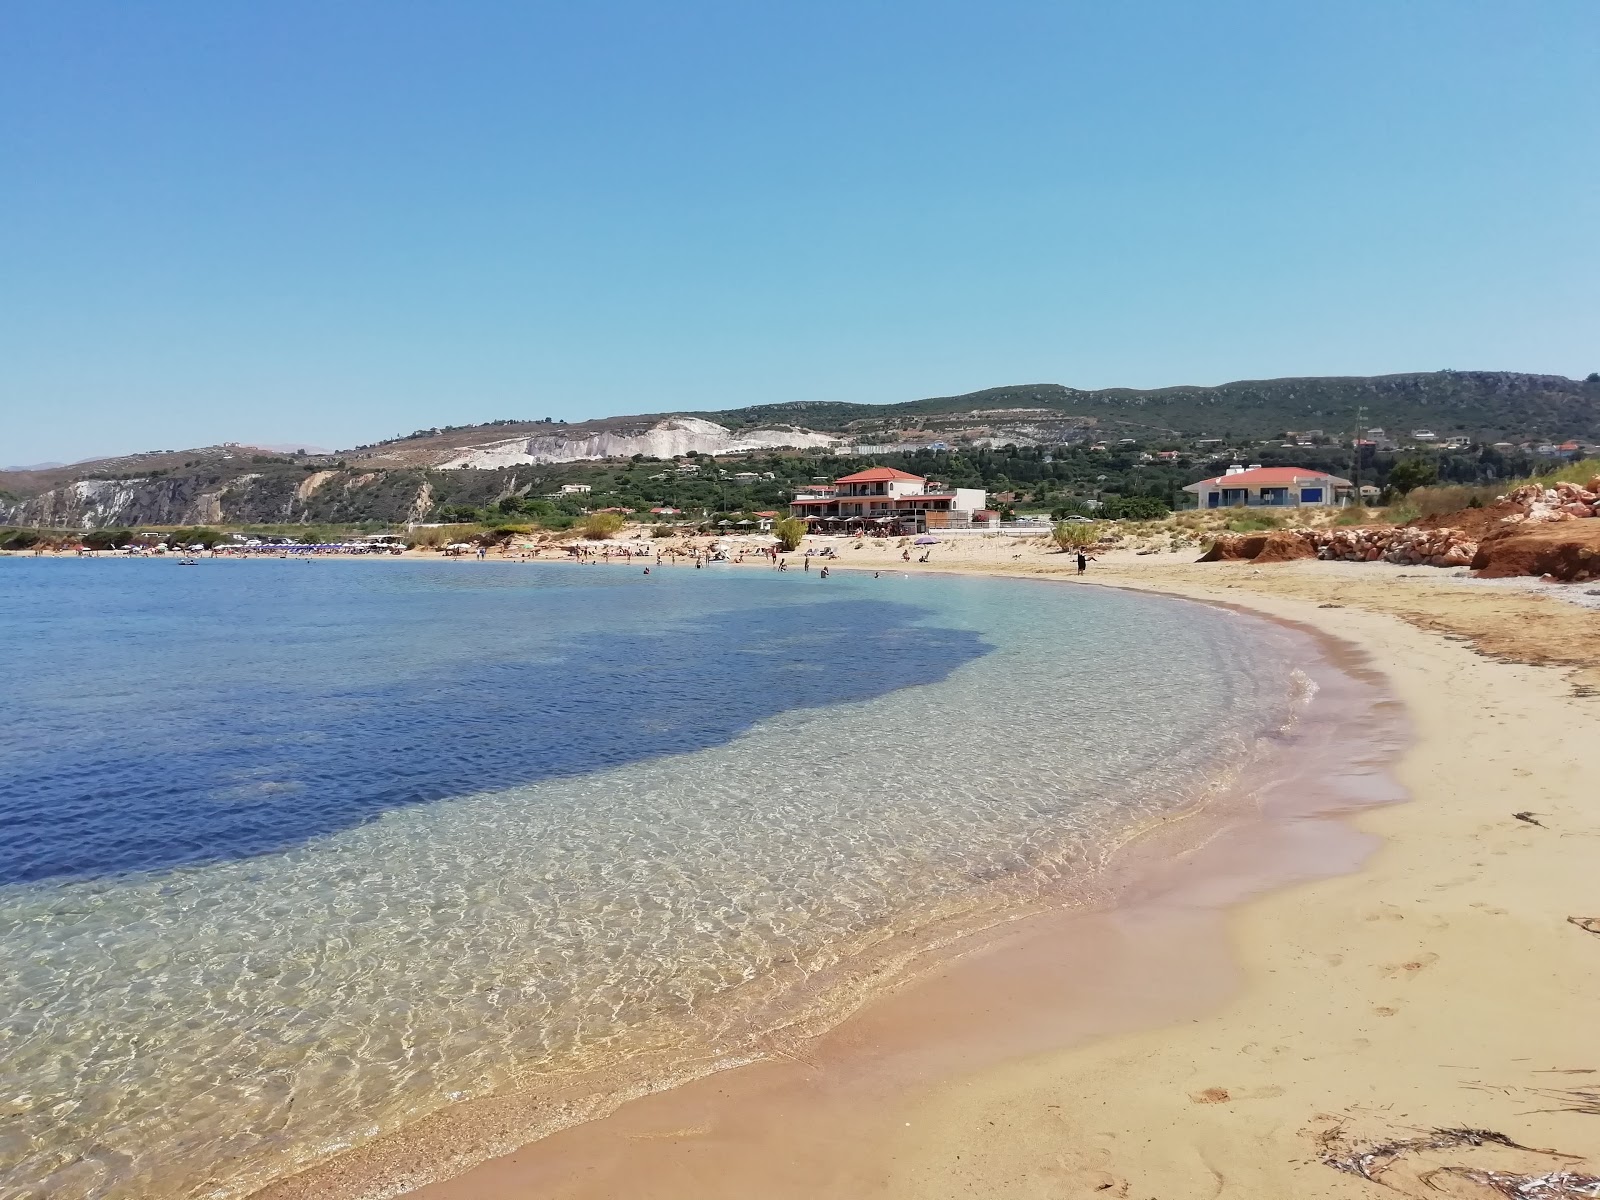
(876, 475)
(1272, 477)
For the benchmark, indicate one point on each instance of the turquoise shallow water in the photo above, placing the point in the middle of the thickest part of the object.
(298, 853)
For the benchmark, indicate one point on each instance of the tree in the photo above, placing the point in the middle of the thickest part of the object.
(1135, 508)
(1412, 473)
(789, 531)
(1592, 377)
(1074, 535)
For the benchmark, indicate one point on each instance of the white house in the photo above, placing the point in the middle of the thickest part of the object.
(886, 497)
(575, 489)
(1271, 487)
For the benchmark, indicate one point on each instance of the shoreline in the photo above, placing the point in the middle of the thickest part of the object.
(1170, 870)
(1437, 986)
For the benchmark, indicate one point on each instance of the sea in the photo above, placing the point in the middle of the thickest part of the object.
(297, 854)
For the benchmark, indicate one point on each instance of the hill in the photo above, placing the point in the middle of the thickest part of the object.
(994, 438)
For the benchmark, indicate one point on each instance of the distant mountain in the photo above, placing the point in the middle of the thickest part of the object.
(1490, 405)
(46, 466)
(414, 477)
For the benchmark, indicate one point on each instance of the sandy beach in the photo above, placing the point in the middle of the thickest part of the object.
(1333, 1000)
(1241, 1028)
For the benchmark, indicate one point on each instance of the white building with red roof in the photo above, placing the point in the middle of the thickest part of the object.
(886, 497)
(1271, 487)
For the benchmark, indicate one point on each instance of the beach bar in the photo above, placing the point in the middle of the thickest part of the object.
(888, 500)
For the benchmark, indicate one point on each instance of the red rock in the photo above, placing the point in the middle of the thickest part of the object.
(1565, 550)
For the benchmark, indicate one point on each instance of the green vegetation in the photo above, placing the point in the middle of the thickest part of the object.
(20, 539)
(601, 525)
(789, 531)
(1437, 500)
(444, 535)
(1400, 514)
(1074, 535)
(1412, 473)
(1492, 405)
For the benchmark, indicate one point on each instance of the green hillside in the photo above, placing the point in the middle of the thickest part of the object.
(1487, 405)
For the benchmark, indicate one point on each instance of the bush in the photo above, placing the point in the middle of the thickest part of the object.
(597, 527)
(789, 531)
(1074, 535)
(1136, 508)
(19, 539)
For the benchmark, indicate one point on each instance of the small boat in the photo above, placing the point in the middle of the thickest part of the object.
(188, 560)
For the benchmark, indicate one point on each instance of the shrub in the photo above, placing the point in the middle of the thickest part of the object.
(1137, 508)
(789, 531)
(597, 527)
(1074, 535)
(19, 539)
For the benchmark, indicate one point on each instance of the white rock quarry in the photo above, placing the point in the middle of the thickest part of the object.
(671, 437)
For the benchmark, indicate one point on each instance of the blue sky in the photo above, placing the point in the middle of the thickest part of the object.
(338, 221)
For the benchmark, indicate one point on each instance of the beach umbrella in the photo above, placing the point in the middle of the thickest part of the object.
(925, 540)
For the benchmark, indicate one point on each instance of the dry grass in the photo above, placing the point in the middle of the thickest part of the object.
(443, 535)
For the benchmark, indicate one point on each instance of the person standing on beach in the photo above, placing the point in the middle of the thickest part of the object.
(1083, 561)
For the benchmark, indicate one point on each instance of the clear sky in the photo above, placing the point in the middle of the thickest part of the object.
(338, 220)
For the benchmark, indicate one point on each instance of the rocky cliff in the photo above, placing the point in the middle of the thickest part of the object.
(671, 437)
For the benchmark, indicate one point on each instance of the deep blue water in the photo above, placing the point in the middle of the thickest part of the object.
(159, 717)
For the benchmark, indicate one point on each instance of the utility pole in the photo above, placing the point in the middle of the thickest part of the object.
(1355, 452)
